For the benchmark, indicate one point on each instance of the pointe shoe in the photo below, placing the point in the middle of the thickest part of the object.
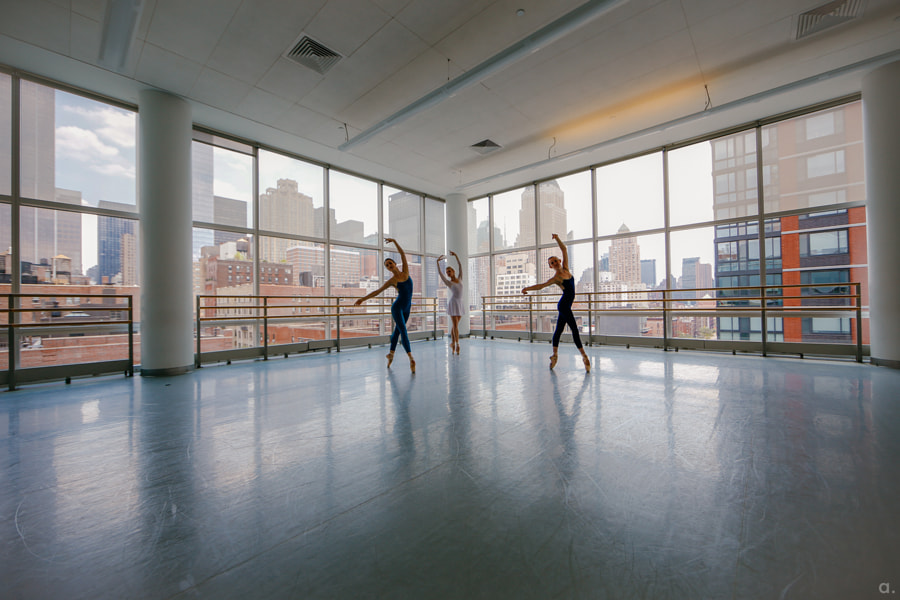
(553, 360)
(390, 357)
(587, 363)
(412, 366)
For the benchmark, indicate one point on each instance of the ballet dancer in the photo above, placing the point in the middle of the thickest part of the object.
(402, 303)
(453, 281)
(564, 279)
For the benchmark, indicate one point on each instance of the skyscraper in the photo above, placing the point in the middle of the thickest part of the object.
(283, 209)
(110, 231)
(625, 258)
(404, 213)
(552, 209)
(648, 272)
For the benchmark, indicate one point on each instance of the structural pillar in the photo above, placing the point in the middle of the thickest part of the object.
(458, 241)
(881, 127)
(166, 235)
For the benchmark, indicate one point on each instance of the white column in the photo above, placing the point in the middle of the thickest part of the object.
(458, 241)
(881, 126)
(167, 343)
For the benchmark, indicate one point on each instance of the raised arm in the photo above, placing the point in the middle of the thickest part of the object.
(441, 271)
(405, 265)
(565, 253)
(458, 266)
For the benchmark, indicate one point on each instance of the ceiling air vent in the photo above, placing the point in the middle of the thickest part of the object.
(485, 147)
(311, 54)
(828, 16)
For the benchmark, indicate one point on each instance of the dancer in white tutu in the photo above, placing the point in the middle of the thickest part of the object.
(453, 281)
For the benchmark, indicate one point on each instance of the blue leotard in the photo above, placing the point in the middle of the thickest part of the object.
(400, 312)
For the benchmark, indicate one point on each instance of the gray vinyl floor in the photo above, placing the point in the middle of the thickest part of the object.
(484, 475)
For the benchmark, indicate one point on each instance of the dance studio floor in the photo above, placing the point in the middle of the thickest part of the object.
(658, 475)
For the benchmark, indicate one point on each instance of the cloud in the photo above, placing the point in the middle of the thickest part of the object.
(83, 145)
(113, 125)
(113, 170)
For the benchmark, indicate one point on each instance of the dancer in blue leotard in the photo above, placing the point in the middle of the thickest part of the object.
(402, 303)
(564, 279)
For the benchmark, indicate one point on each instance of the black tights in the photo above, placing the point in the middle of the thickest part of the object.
(566, 317)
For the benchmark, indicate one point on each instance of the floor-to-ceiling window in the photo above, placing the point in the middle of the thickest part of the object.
(68, 226)
(309, 234)
(689, 219)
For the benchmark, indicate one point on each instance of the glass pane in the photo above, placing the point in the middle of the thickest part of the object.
(55, 247)
(223, 269)
(403, 217)
(713, 180)
(291, 198)
(308, 262)
(415, 272)
(630, 195)
(626, 266)
(693, 255)
(478, 284)
(567, 206)
(581, 261)
(5, 134)
(354, 209)
(354, 271)
(95, 249)
(824, 247)
(222, 189)
(814, 160)
(479, 226)
(514, 218)
(435, 226)
(5, 243)
(76, 150)
(512, 272)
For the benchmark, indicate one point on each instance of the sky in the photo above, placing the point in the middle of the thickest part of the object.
(630, 193)
(96, 154)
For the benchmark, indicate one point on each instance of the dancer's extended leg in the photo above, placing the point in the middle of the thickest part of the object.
(400, 315)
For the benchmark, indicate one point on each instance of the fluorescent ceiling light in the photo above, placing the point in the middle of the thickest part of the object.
(534, 42)
(119, 25)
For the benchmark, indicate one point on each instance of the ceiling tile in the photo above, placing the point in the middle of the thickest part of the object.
(92, 9)
(427, 72)
(388, 51)
(219, 90)
(190, 29)
(85, 38)
(260, 33)
(166, 70)
(38, 22)
(289, 80)
(263, 107)
(345, 25)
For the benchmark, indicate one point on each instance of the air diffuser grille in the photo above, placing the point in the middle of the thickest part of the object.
(485, 147)
(313, 55)
(828, 16)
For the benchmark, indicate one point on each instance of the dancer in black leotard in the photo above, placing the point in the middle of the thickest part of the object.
(564, 279)
(402, 304)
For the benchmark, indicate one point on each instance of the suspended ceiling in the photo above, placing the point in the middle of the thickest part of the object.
(630, 76)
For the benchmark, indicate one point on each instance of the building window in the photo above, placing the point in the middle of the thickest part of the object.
(828, 163)
(823, 243)
(831, 281)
